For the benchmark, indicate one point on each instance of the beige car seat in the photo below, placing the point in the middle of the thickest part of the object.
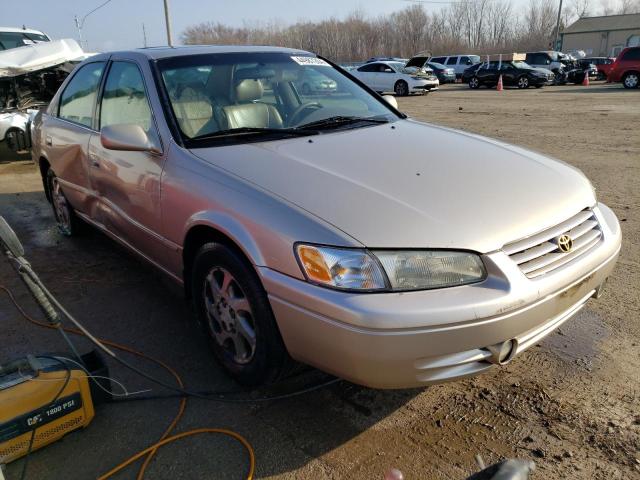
(249, 113)
(193, 111)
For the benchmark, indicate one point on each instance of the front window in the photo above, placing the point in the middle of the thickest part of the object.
(124, 100)
(247, 95)
(77, 102)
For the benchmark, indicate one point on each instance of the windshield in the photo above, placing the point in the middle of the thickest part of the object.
(521, 64)
(215, 94)
(10, 40)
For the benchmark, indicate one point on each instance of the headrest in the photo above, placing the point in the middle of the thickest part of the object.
(249, 90)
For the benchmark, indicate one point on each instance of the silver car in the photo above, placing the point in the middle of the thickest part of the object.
(311, 230)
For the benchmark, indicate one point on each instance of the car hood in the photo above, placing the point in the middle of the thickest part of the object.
(414, 185)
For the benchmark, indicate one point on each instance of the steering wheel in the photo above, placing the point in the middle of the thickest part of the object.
(301, 108)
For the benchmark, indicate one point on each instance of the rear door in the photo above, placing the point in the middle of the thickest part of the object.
(128, 182)
(387, 77)
(67, 128)
(452, 62)
(488, 73)
(464, 62)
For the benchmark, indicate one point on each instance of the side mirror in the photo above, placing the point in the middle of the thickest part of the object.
(391, 100)
(128, 137)
(9, 238)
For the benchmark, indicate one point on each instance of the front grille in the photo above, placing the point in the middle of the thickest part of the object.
(540, 254)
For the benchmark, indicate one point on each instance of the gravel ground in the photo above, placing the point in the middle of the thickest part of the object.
(570, 404)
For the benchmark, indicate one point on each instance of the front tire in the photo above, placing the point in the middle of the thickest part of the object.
(631, 80)
(401, 88)
(67, 221)
(234, 311)
(474, 83)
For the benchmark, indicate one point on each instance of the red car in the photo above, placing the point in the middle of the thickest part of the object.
(626, 68)
(603, 64)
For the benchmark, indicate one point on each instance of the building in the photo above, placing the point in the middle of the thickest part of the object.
(602, 36)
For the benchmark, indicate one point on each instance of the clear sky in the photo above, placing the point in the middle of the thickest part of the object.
(118, 25)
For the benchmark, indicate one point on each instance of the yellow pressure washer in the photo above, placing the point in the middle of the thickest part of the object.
(44, 397)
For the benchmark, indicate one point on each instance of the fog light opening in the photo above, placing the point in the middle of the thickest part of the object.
(503, 353)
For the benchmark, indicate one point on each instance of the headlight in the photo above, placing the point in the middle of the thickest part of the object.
(417, 270)
(353, 269)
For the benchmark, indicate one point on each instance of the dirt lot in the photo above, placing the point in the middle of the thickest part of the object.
(570, 404)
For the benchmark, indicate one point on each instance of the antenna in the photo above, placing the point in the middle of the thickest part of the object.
(144, 36)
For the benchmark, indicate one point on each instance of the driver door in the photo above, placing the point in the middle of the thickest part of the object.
(386, 78)
(128, 182)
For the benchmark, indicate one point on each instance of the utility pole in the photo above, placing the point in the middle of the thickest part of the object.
(144, 36)
(79, 27)
(167, 22)
(80, 22)
(555, 43)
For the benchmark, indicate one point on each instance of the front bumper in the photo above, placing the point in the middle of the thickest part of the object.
(398, 340)
(424, 85)
(447, 78)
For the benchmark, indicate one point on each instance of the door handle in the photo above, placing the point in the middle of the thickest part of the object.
(93, 159)
(48, 140)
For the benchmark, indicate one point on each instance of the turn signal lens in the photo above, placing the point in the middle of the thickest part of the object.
(348, 269)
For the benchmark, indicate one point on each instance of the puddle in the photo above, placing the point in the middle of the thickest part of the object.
(578, 340)
(45, 237)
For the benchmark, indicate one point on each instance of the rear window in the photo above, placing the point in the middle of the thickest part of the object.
(438, 59)
(452, 60)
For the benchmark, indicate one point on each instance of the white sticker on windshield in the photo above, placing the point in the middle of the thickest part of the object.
(310, 61)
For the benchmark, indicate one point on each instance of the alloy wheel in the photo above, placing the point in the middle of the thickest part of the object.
(523, 82)
(631, 80)
(230, 320)
(474, 83)
(401, 89)
(60, 207)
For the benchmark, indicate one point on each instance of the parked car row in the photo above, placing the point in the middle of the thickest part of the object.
(514, 73)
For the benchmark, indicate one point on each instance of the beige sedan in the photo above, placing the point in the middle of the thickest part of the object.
(308, 228)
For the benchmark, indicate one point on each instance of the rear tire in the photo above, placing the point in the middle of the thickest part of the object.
(401, 88)
(234, 312)
(523, 82)
(631, 80)
(67, 221)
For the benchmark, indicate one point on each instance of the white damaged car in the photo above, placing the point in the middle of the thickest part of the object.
(392, 77)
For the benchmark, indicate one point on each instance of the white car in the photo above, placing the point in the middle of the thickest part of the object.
(19, 37)
(392, 77)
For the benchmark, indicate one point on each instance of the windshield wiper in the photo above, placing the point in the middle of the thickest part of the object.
(340, 120)
(254, 131)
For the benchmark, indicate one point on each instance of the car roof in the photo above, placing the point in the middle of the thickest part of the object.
(20, 30)
(156, 53)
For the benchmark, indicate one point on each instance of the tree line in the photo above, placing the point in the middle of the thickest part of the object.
(478, 26)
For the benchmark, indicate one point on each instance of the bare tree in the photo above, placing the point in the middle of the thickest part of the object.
(481, 26)
(580, 8)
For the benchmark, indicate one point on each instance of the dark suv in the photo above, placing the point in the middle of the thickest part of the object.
(626, 68)
(515, 73)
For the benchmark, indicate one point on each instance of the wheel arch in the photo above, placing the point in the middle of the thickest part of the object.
(44, 166)
(222, 229)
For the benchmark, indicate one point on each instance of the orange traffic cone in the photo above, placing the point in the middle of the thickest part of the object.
(500, 87)
(585, 82)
